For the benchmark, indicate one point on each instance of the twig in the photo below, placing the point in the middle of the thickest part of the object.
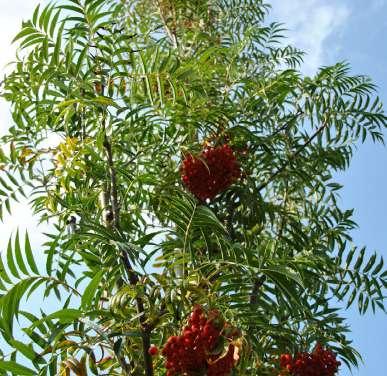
(155, 322)
(292, 157)
(289, 122)
(113, 181)
(133, 277)
(172, 35)
(257, 285)
(285, 203)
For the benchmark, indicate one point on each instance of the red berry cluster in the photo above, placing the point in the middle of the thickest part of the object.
(320, 362)
(221, 366)
(210, 173)
(199, 350)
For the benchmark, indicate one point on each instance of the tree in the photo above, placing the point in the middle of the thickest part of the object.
(145, 97)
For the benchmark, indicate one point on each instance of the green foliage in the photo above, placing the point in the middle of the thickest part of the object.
(129, 87)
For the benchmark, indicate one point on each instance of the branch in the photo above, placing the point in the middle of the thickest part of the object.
(257, 285)
(283, 219)
(113, 181)
(133, 277)
(292, 157)
(155, 322)
(172, 35)
(289, 122)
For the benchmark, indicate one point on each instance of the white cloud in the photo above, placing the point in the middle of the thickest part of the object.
(12, 13)
(21, 219)
(310, 23)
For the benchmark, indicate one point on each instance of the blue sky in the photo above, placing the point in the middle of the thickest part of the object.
(328, 31)
(354, 31)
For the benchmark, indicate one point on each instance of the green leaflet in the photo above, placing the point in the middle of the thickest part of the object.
(16, 368)
(64, 316)
(90, 290)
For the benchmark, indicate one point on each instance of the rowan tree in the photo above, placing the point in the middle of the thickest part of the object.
(184, 164)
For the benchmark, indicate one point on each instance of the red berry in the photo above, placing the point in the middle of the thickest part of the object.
(153, 350)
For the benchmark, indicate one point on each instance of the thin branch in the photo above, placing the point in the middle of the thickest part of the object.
(283, 219)
(257, 285)
(162, 312)
(289, 122)
(292, 157)
(113, 181)
(171, 34)
(133, 277)
(285, 197)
